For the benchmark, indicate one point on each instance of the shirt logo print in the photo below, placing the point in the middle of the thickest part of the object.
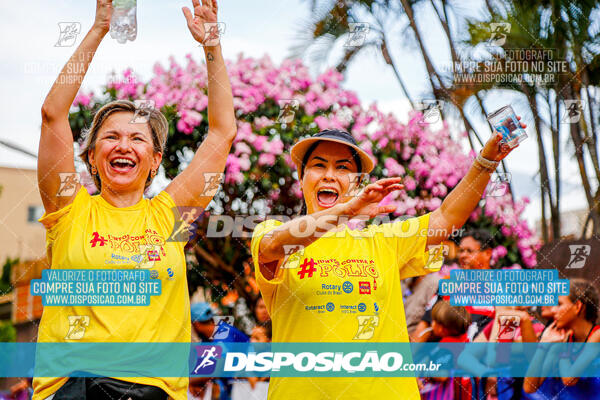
(97, 240)
(364, 287)
(307, 267)
(348, 287)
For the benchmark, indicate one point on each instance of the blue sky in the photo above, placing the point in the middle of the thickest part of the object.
(31, 63)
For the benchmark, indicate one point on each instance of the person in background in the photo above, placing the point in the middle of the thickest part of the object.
(510, 324)
(422, 290)
(449, 325)
(207, 330)
(474, 252)
(261, 333)
(575, 319)
(260, 311)
(254, 388)
(22, 390)
(547, 314)
(526, 327)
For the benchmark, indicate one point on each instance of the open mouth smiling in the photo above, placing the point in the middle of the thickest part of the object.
(327, 197)
(122, 164)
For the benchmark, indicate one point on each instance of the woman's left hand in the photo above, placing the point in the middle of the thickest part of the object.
(552, 334)
(495, 149)
(203, 13)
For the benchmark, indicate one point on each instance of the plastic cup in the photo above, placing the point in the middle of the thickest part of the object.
(505, 121)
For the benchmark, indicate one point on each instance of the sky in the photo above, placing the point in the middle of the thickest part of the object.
(31, 62)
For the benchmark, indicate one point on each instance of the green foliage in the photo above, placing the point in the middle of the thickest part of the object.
(8, 333)
(5, 286)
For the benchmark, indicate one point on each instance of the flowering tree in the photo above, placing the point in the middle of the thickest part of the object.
(275, 106)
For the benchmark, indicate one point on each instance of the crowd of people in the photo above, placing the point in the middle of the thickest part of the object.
(431, 318)
(211, 328)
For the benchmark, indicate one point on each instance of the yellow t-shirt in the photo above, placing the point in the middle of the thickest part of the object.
(345, 287)
(91, 233)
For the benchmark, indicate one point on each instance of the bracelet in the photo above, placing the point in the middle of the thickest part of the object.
(486, 164)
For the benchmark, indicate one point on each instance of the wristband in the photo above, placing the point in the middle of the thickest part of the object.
(485, 163)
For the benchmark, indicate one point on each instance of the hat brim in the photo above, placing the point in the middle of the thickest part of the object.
(299, 150)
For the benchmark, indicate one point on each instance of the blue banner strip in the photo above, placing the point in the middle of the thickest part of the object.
(299, 359)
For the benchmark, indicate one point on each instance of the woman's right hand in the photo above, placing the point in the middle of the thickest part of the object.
(554, 335)
(367, 201)
(104, 9)
(203, 13)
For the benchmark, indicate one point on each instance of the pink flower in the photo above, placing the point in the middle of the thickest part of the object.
(501, 251)
(83, 99)
(275, 147)
(259, 143)
(262, 122)
(274, 194)
(409, 183)
(387, 200)
(297, 190)
(433, 203)
(245, 163)
(431, 162)
(322, 122)
(242, 147)
(394, 169)
(266, 159)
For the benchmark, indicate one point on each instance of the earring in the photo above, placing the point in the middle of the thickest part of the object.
(94, 170)
(153, 173)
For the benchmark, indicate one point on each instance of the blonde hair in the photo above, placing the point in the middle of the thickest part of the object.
(156, 121)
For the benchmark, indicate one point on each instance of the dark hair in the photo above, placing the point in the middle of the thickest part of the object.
(268, 327)
(309, 151)
(481, 235)
(454, 318)
(585, 292)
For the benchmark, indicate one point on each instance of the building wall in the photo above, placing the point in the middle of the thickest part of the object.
(20, 238)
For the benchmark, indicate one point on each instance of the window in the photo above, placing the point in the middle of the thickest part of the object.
(34, 213)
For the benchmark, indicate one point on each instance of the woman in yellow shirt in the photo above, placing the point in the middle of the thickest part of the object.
(119, 229)
(323, 282)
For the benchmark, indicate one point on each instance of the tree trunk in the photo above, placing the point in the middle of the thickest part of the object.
(428, 64)
(555, 131)
(544, 180)
(578, 143)
(591, 141)
(390, 61)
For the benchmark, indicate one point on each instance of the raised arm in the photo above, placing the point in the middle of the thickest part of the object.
(188, 188)
(55, 153)
(305, 230)
(462, 200)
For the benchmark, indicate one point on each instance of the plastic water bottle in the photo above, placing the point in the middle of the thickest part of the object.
(123, 24)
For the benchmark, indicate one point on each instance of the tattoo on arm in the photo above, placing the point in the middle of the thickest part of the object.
(209, 56)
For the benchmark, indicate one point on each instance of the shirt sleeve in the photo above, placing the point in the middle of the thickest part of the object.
(410, 239)
(55, 220)
(267, 287)
(165, 212)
